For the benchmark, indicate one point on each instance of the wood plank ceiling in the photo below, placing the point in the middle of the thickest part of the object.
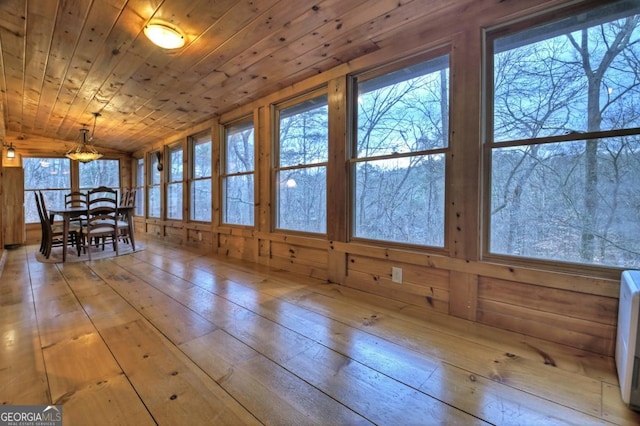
(61, 60)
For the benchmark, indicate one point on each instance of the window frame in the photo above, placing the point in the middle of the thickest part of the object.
(276, 168)
(445, 151)
(193, 141)
(489, 144)
(139, 180)
(246, 121)
(154, 161)
(178, 183)
(29, 199)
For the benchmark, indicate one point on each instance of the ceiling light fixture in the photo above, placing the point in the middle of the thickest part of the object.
(84, 151)
(164, 35)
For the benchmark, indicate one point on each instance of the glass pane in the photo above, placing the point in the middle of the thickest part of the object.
(401, 200)
(572, 201)
(174, 201)
(100, 173)
(302, 199)
(45, 173)
(155, 173)
(154, 201)
(239, 149)
(201, 200)
(576, 75)
(404, 111)
(139, 200)
(238, 200)
(53, 199)
(202, 158)
(304, 133)
(175, 162)
(140, 173)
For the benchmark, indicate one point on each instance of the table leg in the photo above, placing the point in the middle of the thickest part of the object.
(131, 231)
(65, 234)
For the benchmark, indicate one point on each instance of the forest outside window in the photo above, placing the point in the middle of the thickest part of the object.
(153, 193)
(99, 173)
(200, 184)
(52, 176)
(301, 171)
(398, 169)
(174, 185)
(139, 187)
(238, 174)
(564, 140)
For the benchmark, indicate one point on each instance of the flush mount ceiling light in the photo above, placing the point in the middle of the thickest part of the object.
(164, 36)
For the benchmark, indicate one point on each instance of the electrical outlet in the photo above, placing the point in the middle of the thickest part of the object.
(396, 275)
(199, 236)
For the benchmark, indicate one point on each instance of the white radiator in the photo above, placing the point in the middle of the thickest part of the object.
(627, 342)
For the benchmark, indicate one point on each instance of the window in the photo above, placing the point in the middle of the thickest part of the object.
(99, 173)
(51, 176)
(139, 187)
(200, 184)
(564, 139)
(153, 193)
(174, 186)
(398, 167)
(237, 175)
(300, 173)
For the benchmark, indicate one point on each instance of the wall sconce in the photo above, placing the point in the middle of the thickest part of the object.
(11, 151)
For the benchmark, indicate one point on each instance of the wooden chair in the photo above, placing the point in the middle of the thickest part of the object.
(53, 234)
(125, 231)
(76, 199)
(102, 218)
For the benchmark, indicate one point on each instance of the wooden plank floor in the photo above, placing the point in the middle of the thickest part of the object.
(173, 337)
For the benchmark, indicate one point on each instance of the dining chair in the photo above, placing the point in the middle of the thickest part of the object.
(102, 218)
(53, 233)
(127, 203)
(76, 199)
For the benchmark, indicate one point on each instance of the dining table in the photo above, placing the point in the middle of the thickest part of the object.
(68, 213)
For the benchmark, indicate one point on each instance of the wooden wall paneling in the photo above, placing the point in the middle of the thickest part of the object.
(216, 185)
(337, 174)
(429, 299)
(555, 327)
(463, 163)
(571, 304)
(421, 286)
(235, 246)
(463, 299)
(264, 176)
(12, 27)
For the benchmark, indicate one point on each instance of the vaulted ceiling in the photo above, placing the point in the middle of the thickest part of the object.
(62, 60)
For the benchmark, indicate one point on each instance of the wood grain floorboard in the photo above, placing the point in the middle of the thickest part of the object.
(174, 336)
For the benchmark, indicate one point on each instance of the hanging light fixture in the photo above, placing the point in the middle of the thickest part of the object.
(84, 151)
(164, 36)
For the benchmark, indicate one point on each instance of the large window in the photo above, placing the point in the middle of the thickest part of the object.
(51, 176)
(154, 193)
(398, 166)
(139, 187)
(174, 186)
(564, 139)
(301, 169)
(99, 173)
(237, 174)
(200, 183)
